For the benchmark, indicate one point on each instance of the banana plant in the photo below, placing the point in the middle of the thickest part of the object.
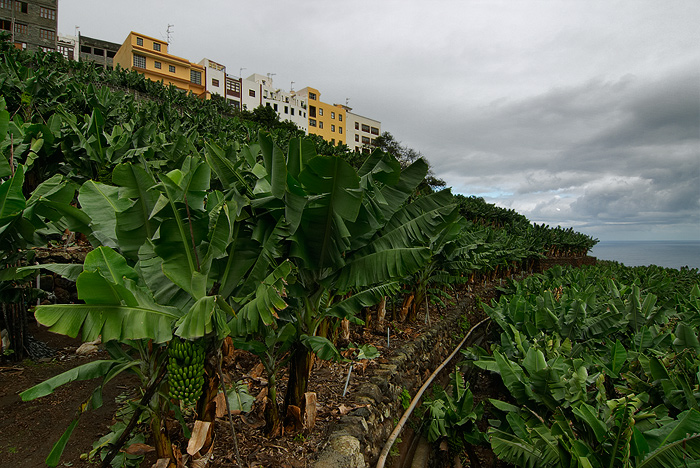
(454, 416)
(349, 231)
(195, 254)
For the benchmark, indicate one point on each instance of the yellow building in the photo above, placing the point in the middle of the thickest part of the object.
(326, 120)
(150, 57)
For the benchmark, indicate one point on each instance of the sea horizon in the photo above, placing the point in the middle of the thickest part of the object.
(664, 253)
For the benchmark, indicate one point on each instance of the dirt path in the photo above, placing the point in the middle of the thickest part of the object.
(28, 430)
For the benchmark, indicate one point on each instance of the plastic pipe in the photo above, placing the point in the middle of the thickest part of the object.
(399, 427)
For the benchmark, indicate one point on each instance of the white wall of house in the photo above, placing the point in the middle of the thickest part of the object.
(360, 131)
(215, 75)
(287, 104)
(68, 46)
(251, 93)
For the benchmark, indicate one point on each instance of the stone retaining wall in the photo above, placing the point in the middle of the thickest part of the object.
(360, 435)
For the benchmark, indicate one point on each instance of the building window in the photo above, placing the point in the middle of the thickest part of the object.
(48, 13)
(340, 117)
(332, 128)
(215, 82)
(365, 128)
(97, 51)
(251, 92)
(332, 115)
(275, 107)
(320, 111)
(157, 64)
(47, 34)
(48, 49)
(6, 4)
(233, 87)
(365, 140)
(86, 49)
(6, 25)
(320, 125)
(292, 111)
(22, 7)
(357, 138)
(66, 51)
(139, 61)
(139, 41)
(111, 54)
(357, 126)
(312, 111)
(375, 131)
(20, 28)
(312, 96)
(340, 130)
(196, 77)
(312, 123)
(286, 109)
(171, 68)
(156, 46)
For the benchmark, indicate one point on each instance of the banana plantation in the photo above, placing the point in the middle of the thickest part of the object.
(208, 229)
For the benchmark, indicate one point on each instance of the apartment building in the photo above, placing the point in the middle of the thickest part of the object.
(31, 24)
(215, 75)
(68, 47)
(361, 131)
(325, 120)
(97, 50)
(232, 93)
(150, 57)
(287, 104)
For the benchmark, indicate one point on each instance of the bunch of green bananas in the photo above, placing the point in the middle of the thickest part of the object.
(186, 369)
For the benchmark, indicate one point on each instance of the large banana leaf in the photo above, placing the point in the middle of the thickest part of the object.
(88, 371)
(102, 203)
(676, 443)
(135, 225)
(335, 197)
(347, 308)
(116, 307)
(12, 201)
(379, 267)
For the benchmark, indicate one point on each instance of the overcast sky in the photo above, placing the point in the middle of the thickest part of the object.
(573, 113)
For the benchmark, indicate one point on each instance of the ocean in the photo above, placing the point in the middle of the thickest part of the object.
(669, 254)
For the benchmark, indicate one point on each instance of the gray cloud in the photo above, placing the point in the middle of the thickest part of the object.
(583, 114)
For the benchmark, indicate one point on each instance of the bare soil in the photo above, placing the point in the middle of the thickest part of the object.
(28, 430)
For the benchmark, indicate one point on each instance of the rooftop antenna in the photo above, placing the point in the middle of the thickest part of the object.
(240, 72)
(269, 78)
(169, 32)
(347, 101)
(291, 87)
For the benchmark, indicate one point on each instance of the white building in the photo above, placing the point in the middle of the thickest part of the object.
(361, 132)
(68, 46)
(215, 77)
(287, 104)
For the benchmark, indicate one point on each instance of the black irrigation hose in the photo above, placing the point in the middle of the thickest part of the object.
(399, 427)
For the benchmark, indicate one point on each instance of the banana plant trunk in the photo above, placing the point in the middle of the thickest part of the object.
(381, 313)
(273, 423)
(299, 372)
(161, 440)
